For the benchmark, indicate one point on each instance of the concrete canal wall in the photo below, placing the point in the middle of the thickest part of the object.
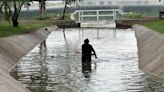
(14, 48)
(150, 51)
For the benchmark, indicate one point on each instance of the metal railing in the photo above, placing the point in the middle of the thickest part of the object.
(97, 14)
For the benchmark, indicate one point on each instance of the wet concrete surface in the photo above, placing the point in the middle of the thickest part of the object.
(57, 68)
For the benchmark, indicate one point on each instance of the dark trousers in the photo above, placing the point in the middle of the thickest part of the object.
(86, 63)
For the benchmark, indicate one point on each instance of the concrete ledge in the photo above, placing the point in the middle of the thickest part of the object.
(100, 24)
(14, 48)
(150, 50)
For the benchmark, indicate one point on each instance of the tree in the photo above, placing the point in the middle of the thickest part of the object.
(6, 12)
(42, 8)
(17, 5)
(67, 2)
(12, 9)
(1, 12)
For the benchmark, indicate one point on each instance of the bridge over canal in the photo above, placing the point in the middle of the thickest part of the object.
(97, 18)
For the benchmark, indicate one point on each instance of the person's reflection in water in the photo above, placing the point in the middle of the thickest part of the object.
(43, 47)
(87, 51)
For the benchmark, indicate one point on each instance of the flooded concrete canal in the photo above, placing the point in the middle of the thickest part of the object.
(58, 68)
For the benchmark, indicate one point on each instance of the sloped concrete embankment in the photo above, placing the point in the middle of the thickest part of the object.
(11, 50)
(150, 51)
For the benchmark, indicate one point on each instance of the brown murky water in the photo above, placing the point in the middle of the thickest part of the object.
(58, 68)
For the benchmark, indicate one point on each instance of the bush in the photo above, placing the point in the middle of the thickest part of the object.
(133, 15)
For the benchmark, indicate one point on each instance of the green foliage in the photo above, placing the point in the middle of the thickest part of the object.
(157, 25)
(133, 15)
(10, 9)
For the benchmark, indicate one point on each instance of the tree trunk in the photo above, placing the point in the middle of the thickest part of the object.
(42, 9)
(15, 23)
(15, 20)
(65, 7)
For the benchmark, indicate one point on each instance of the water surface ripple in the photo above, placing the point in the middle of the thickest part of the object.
(58, 68)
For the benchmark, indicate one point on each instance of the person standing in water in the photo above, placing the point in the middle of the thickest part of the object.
(87, 52)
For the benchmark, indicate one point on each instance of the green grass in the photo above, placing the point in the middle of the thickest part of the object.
(8, 30)
(55, 15)
(59, 16)
(157, 25)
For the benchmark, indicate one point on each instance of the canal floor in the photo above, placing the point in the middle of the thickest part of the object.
(57, 68)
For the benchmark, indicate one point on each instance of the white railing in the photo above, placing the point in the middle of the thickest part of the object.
(97, 13)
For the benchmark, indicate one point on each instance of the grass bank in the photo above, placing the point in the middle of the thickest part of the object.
(157, 25)
(26, 26)
(7, 30)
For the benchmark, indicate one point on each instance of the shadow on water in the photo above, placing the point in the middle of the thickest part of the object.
(55, 65)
